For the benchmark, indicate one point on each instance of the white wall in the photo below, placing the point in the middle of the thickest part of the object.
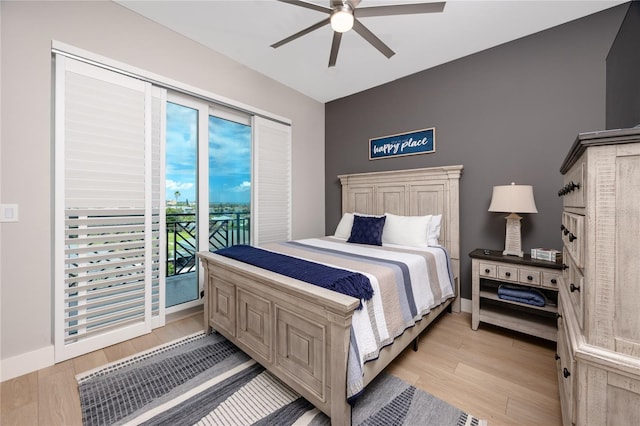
(107, 29)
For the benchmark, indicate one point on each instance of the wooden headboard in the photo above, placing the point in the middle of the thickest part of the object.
(414, 192)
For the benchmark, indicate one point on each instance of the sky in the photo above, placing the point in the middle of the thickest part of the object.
(229, 157)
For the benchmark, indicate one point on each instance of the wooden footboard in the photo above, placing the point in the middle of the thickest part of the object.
(298, 331)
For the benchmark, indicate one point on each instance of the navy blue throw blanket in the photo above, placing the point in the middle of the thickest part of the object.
(346, 282)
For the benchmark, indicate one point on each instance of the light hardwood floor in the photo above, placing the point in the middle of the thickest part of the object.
(506, 378)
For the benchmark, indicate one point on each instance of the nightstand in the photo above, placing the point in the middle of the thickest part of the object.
(490, 269)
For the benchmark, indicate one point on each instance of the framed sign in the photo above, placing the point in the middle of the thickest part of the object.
(411, 143)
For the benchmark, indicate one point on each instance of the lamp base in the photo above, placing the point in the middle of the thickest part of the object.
(512, 239)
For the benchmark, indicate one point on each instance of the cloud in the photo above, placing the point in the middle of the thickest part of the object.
(229, 147)
(243, 187)
(178, 186)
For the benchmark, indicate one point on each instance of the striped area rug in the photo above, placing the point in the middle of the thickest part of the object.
(206, 380)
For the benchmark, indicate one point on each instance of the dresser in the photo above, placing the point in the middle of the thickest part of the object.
(598, 356)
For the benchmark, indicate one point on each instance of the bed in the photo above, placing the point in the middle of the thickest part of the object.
(302, 332)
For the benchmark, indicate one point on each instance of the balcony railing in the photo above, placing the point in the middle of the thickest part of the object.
(225, 229)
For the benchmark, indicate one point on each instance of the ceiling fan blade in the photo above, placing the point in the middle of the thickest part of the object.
(335, 45)
(372, 39)
(352, 3)
(399, 9)
(311, 6)
(301, 33)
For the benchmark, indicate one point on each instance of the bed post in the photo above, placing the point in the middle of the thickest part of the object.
(340, 336)
(453, 243)
(205, 286)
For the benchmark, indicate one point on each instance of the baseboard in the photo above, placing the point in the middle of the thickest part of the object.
(26, 363)
(465, 305)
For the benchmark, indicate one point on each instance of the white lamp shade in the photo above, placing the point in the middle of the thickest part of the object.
(342, 20)
(513, 199)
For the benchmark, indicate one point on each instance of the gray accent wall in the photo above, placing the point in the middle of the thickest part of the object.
(508, 114)
(623, 73)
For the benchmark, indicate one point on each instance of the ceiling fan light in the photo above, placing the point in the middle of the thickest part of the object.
(342, 19)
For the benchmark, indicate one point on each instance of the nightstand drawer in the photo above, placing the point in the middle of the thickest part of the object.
(488, 270)
(528, 276)
(507, 273)
(551, 280)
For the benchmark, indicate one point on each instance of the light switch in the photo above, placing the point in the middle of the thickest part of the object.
(8, 212)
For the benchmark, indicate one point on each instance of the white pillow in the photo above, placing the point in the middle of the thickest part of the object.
(434, 230)
(343, 230)
(406, 230)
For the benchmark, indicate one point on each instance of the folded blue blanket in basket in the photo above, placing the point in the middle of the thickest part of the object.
(522, 295)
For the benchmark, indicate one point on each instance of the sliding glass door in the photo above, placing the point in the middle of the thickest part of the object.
(208, 190)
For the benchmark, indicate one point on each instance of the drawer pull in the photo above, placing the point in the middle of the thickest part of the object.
(558, 315)
(565, 231)
(573, 186)
(507, 274)
(565, 266)
(557, 357)
(566, 373)
(573, 288)
(529, 277)
(554, 281)
(572, 237)
(486, 271)
(562, 227)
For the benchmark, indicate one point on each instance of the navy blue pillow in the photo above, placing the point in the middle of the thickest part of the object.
(367, 230)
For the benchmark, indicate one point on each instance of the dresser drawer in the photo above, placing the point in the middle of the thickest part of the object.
(574, 288)
(488, 270)
(566, 370)
(573, 239)
(573, 191)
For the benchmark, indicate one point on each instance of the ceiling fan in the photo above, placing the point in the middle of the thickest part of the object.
(344, 14)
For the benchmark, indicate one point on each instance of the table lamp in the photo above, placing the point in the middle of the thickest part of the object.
(513, 199)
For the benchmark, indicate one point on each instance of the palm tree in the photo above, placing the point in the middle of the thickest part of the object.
(177, 195)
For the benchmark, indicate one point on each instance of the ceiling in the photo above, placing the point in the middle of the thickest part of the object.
(243, 30)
